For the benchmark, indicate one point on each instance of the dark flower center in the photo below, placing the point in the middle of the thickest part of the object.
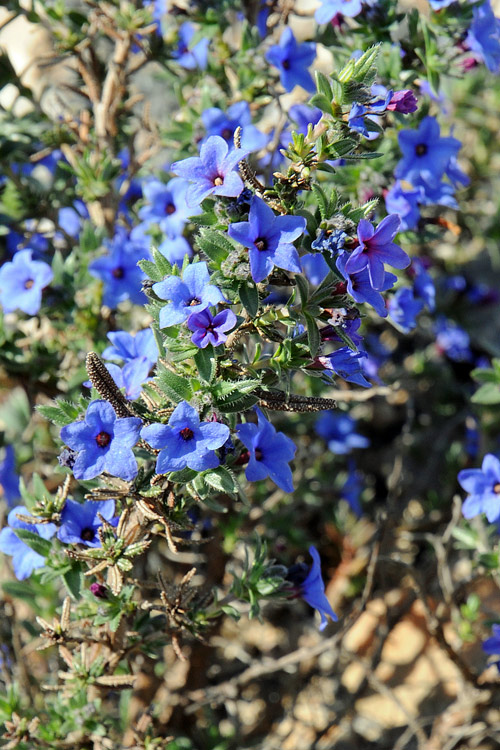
(186, 433)
(28, 283)
(227, 134)
(258, 454)
(286, 64)
(218, 181)
(87, 534)
(260, 243)
(170, 209)
(496, 488)
(103, 439)
(421, 149)
(194, 301)
(118, 272)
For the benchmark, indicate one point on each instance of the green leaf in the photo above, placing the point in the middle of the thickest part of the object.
(249, 297)
(224, 388)
(489, 393)
(367, 155)
(343, 146)
(60, 413)
(313, 337)
(162, 264)
(322, 201)
(366, 63)
(175, 387)
(221, 479)
(206, 363)
(303, 288)
(73, 580)
(20, 590)
(37, 543)
(323, 85)
(235, 403)
(322, 102)
(182, 476)
(215, 245)
(151, 270)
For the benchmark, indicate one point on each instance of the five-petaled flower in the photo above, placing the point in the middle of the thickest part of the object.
(22, 281)
(185, 441)
(270, 452)
(269, 239)
(188, 295)
(104, 442)
(212, 173)
(425, 153)
(210, 329)
(292, 60)
(345, 362)
(376, 248)
(24, 559)
(119, 271)
(483, 486)
(80, 523)
(308, 584)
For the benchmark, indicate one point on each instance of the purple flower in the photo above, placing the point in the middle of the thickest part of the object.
(339, 432)
(22, 281)
(9, 480)
(403, 101)
(119, 271)
(269, 239)
(24, 559)
(483, 486)
(131, 377)
(197, 55)
(212, 173)
(127, 346)
(330, 8)
(79, 523)
(404, 308)
(425, 153)
(404, 203)
(209, 329)
(313, 590)
(185, 441)
(104, 442)
(191, 294)
(376, 248)
(270, 452)
(484, 36)
(361, 289)
(219, 123)
(166, 205)
(345, 363)
(292, 60)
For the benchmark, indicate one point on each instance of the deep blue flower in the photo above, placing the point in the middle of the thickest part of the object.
(104, 442)
(22, 281)
(131, 377)
(425, 153)
(9, 479)
(352, 489)
(188, 295)
(270, 452)
(339, 432)
(330, 242)
(456, 175)
(304, 116)
(484, 36)
(360, 288)
(436, 193)
(292, 60)
(212, 173)
(185, 441)
(79, 523)
(224, 124)
(404, 308)
(348, 325)
(127, 346)
(210, 329)
(404, 203)
(452, 340)
(423, 285)
(24, 559)
(119, 271)
(483, 486)
(359, 124)
(376, 248)
(269, 239)
(191, 57)
(492, 645)
(166, 205)
(315, 267)
(330, 8)
(313, 590)
(345, 363)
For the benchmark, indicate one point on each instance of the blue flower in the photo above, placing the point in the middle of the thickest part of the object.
(175, 250)
(22, 281)
(404, 203)
(166, 205)
(330, 8)
(210, 329)
(423, 285)
(352, 488)
(360, 288)
(358, 124)
(339, 432)
(191, 294)
(127, 346)
(119, 271)
(292, 60)
(185, 441)
(376, 248)
(9, 480)
(483, 486)
(79, 523)
(345, 362)
(270, 452)
(70, 218)
(269, 239)
(436, 193)
(452, 340)
(404, 308)
(425, 153)
(194, 57)
(223, 124)
(24, 559)
(131, 377)
(212, 173)
(484, 36)
(313, 590)
(104, 442)
(304, 116)
(315, 267)
(492, 645)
